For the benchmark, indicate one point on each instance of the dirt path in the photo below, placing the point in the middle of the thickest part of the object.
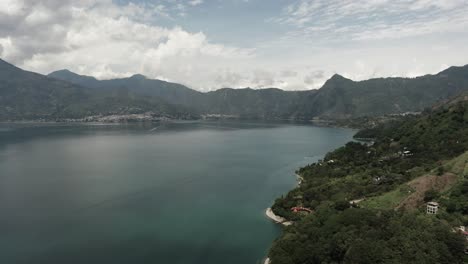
(423, 184)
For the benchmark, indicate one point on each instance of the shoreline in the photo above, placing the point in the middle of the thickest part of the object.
(276, 218)
(92, 119)
(300, 179)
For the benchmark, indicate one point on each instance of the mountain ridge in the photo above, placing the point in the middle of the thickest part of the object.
(27, 95)
(336, 76)
(338, 98)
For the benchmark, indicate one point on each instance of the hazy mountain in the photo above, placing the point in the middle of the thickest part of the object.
(66, 75)
(26, 95)
(247, 103)
(339, 97)
(263, 103)
(138, 84)
(29, 96)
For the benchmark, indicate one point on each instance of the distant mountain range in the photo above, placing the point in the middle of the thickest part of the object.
(64, 94)
(30, 96)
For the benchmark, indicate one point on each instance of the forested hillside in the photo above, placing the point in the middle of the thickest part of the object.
(368, 199)
(339, 98)
(243, 103)
(64, 94)
(31, 96)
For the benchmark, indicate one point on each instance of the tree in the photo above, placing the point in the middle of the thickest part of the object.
(440, 171)
(342, 205)
(430, 195)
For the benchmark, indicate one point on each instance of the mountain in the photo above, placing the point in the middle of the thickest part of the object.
(30, 96)
(63, 94)
(66, 75)
(246, 103)
(138, 84)
(27, 95)
(339, 97)
(262, 103)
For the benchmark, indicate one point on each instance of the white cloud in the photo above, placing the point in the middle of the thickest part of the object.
(105, 40)
(10, 7)
(378, 19)
(358, 39)
(195, 2)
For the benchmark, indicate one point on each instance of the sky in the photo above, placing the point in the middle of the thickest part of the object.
(212, 44)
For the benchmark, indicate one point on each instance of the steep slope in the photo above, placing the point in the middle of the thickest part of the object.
(71, 77)
(138, 84)
(245, 103)
(338, 98)
(263, 103)
(420, 158)
(341, 97)
(334, 98)
(30, 96)
(27, 95)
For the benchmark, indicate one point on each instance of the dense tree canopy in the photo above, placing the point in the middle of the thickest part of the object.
(367, 236)
(400, 151)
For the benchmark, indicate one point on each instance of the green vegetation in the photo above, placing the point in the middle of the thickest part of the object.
(458, 165)
(30, 96)
(63, 94)
(338, 99)
(456, 201)
(409, 161)
(388, 200)
(367, 236)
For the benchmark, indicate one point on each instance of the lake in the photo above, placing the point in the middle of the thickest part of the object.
(182, 193)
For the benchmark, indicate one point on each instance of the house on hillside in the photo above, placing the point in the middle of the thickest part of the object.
(407, 153)
(432, 207)
(463, 231)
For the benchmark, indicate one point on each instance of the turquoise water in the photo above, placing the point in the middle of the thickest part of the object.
(173, 193)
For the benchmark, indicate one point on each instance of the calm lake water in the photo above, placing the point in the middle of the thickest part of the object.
(177, 193)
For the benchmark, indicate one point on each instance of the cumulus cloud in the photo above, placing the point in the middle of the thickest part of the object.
(288, 73)
(195, 2)
(359, 39)
(312, 77)
(105, 40)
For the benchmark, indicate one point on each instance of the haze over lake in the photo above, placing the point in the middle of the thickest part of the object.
(172, 193)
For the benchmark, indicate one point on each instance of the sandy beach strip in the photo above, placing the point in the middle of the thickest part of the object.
(300, 179)
(276, 218)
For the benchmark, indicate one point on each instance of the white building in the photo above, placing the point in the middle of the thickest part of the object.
(432, 208)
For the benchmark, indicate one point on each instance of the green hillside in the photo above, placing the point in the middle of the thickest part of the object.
(339, 98)
(31, 96)
(408, 162)
(64, 94)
